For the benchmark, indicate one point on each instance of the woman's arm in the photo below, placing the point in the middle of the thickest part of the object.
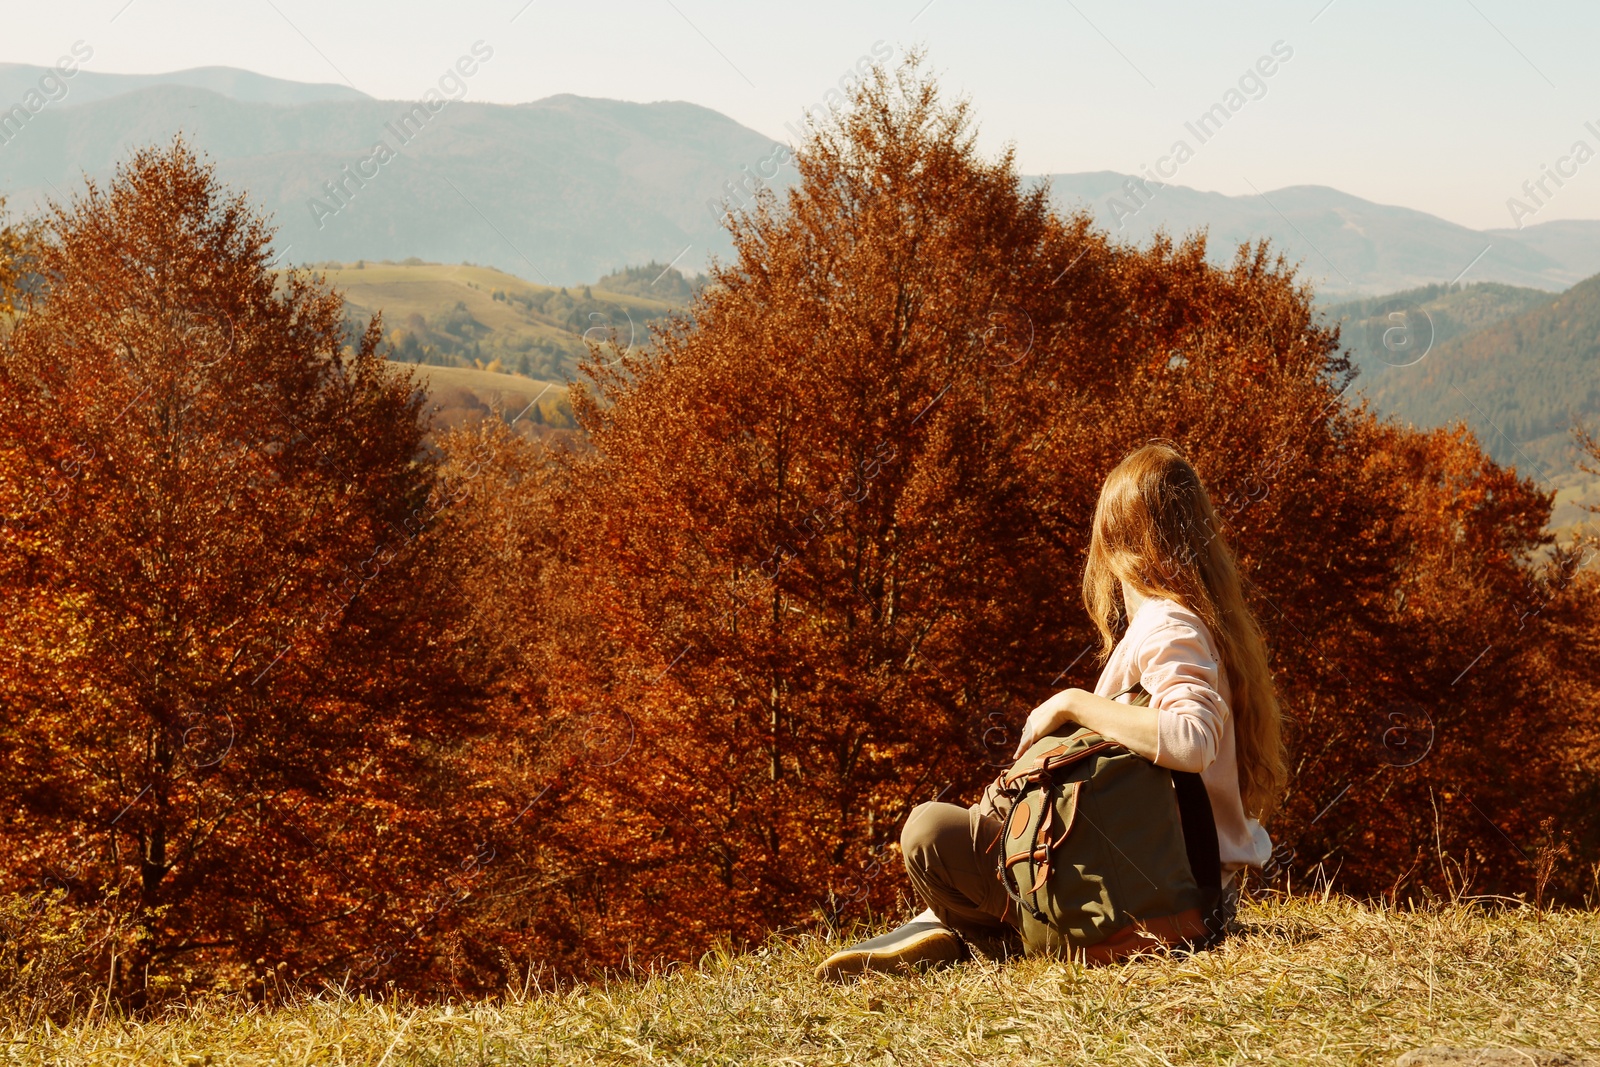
(1131, 725)
(1183, 726)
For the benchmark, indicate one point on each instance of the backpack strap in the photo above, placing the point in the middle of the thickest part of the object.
(1199, 827)
(1199, 834)
(1136, 685)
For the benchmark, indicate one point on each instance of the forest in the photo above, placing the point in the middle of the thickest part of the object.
(296, 694)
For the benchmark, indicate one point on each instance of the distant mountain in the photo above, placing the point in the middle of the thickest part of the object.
(1572, 241)
(558, 191)
(1348, 245)
(565, 189)
(88, 86)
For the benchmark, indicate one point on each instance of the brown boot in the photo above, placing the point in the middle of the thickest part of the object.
(914, 946)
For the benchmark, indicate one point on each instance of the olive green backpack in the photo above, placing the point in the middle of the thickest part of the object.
(1104, 853)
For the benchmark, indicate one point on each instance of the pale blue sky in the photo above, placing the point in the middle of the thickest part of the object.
(1447, 106)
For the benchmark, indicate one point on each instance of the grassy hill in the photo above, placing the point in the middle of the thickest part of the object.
(462, 396)
(469, 316)
(1306, 981)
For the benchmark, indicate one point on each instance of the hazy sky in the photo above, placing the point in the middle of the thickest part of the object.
(1448, 106)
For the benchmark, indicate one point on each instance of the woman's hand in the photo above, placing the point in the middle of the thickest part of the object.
(1046, 718)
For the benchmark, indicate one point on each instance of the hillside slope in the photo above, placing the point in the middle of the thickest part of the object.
(1516, 365)
(1386, 335)
(1324, 984)
(1522, 379)
(1450, 312)
(484, 318)
(458, 396)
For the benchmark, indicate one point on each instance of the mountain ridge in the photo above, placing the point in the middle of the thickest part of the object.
(566, 188)
(88, 86)
(557, 191)
(1349, 245)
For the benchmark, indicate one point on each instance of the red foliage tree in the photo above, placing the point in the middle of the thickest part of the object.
(231, 687)
(1448, 757)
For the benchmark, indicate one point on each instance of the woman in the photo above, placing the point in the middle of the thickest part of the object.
(1160, 571)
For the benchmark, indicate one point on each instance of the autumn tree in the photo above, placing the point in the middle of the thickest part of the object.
(1449, 762)
(1571, 666)
(232, 688)
(507, 541)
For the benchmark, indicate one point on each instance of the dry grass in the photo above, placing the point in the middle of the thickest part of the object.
(1309, 982)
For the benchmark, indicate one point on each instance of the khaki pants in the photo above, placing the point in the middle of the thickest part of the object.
(950, 855)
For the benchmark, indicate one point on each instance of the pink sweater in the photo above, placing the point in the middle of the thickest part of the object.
(1168, 650)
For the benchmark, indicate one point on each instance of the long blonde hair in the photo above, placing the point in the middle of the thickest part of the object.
(1155, 528)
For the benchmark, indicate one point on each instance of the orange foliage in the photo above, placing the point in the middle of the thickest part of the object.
(230, 687)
